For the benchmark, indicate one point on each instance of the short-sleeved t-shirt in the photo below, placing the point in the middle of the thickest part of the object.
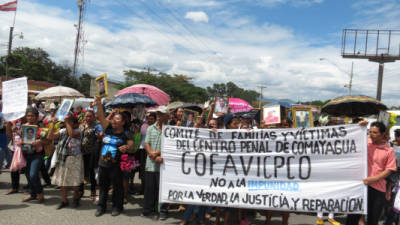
(109, 154)
(153, 137)
(380, 158)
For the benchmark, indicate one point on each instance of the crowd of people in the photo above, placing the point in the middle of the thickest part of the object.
(106, 150)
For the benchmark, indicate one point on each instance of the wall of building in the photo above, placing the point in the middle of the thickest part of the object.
(113, 88)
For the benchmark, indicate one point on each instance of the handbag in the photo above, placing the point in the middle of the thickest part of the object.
(18, 161)
(396, 204)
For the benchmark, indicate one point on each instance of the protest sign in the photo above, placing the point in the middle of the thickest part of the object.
(308, 170)
(14, 98)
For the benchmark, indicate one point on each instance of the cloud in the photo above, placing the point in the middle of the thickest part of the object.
(247, 53)
(199, 16)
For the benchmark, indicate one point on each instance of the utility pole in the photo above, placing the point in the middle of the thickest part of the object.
(150, 69)
(79, 42)
(351, 79)
(380, 81)
(261, 91)
(10, 37)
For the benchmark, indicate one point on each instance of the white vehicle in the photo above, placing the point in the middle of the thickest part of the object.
(395, 127)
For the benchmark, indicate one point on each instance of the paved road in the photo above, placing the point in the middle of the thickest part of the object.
(14, 212)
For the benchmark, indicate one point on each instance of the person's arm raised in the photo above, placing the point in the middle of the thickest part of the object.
(100, 113)
(70, 129)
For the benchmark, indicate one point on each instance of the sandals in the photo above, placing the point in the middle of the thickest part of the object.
(29, 198)
(12, 191)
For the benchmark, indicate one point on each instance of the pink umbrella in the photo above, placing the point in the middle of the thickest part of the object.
(239, 105)
(157, 95)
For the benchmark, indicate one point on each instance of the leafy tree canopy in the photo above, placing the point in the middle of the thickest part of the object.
(178, 87)
(36, 64)
(232, 90)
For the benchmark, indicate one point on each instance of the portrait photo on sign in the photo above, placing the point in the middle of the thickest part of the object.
(272, 114)
(189, 117)
(302, 117)
(64, 108)
(102, 86)
(384, 117)
(29, 134)
(221, 105)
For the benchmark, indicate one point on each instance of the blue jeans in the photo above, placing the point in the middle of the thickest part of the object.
(33, 165)
(2, 156)
(199, 210)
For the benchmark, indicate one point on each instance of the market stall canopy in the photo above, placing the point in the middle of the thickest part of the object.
(159, 96)
(58, 92)
(130, 100)
(353, 106)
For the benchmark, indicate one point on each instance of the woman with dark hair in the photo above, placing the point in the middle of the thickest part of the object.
(34, 159)
(114, 143)
(90, 148)
(69, 163)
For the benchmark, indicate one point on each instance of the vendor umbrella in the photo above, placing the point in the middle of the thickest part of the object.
(353, 106)
(175, 105)
(159, 96)
(190, 106)
(130, 100)
(58, 92)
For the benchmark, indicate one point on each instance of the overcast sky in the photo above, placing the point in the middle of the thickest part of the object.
(276, 43)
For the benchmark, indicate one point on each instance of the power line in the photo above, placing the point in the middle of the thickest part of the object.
(164, 21)
(171, 11)
(154, 27)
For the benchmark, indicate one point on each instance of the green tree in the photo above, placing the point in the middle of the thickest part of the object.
(36, 64)
(230, 89)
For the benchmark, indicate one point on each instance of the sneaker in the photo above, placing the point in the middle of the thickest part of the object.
(320, 222)
(163, 216)
(145, 214)
(99, 212)
(333, 222)
(62, 205)
(115, 212)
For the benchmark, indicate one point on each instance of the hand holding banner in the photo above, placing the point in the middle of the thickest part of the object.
(14, 98)
(308, 170)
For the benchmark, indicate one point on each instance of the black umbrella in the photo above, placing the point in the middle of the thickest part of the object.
(130, 100)
(353, 106)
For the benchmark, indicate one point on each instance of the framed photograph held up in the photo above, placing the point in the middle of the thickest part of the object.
(302, 117)
(189, 117)
(384, 117)
(29, 134)
(64, 109)
(272, 114)
(102, 86)
(221, 105)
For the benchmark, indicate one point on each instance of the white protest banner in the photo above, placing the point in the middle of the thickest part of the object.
(14, 98)
(308, 170)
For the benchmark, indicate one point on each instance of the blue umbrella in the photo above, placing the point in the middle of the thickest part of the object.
(130, 100)
(287, 104)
